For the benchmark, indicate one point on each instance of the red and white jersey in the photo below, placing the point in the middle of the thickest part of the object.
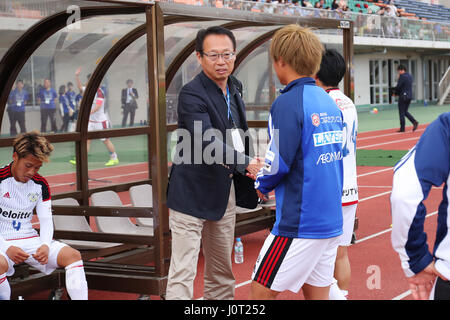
(350, 129)
(99, 115)
(17, 202)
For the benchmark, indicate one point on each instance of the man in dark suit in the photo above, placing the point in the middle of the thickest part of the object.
(129, 103)
(208, 178)
(404, 92)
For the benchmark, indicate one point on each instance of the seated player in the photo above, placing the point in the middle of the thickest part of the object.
(22, 190)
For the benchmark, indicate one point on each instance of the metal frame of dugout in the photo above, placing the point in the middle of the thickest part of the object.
(141, 264)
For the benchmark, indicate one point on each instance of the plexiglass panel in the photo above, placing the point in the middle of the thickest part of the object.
(131, 165)
(51, 95)
(127, 86)
(19, 15)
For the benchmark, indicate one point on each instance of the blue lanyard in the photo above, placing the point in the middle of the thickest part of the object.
(228, 101)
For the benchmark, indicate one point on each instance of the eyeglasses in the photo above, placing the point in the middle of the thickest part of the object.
(213, 56)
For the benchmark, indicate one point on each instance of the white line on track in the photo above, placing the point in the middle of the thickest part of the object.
(107, 177)
(374, 196)
(384, 143)
(384, 135)
(373, 172)
(386, 231)
(382, 187)
(403, 295)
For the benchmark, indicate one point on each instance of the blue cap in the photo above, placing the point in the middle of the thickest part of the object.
(238, 239)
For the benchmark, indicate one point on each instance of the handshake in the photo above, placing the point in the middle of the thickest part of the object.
(252, 170)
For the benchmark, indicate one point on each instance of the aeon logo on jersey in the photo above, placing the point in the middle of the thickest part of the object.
(329, 157)
(328, 137)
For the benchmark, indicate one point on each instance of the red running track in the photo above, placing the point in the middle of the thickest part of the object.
(372, 254)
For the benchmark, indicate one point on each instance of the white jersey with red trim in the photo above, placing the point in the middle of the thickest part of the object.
(99, 115)
(17, 202)
(350, 129)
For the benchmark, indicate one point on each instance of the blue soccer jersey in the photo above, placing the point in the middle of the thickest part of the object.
(424, 166)
(303, 162)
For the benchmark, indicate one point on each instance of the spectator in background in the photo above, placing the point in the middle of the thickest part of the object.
(71, 96)
(16, 108)
(334, 5)
(74, 100)
(47, 98)
(66, 110)
(393, 9)
(129, 103)
(404, 92)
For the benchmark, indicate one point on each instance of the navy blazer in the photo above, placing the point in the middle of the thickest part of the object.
(202, 189)
(404, 87)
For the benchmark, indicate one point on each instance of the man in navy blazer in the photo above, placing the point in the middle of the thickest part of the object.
(208, 178)
(404, 92)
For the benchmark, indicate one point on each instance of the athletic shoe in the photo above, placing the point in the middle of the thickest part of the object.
(415, 125)
(112, 162)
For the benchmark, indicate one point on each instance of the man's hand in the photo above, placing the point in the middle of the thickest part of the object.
(253, 168)
(41, 254)
(78, 71)
(422, 283)
(261, 195)
(16, 254)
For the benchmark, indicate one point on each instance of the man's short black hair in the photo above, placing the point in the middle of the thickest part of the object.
(332, 68)
(217, 30)
(401, 67)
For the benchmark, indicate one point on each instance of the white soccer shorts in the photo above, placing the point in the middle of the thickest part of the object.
(30, 245)
(349, 215)
(288, 263)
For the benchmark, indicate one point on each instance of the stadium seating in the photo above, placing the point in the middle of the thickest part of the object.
(76, 223)
(122, 225)
(141, 196)
(431, 12)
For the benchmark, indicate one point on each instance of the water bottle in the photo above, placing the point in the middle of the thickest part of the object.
(238, 251)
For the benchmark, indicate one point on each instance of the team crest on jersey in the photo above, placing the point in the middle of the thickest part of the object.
(33, 197)
(315, 119)
(340, 104)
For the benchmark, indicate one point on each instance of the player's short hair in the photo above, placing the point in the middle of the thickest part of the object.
(332, 68)
(401, 67)
(299, 47)
(33, 143)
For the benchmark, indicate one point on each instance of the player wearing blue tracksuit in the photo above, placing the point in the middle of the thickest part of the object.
(424, 166)
(304, 162)
(304, 165)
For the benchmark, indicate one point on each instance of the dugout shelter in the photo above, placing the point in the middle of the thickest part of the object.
(153, 44)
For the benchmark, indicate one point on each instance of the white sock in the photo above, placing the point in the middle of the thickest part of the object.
(113, 155)
(345, 293)
(5, 289)
(336, 293)
(76, 283)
